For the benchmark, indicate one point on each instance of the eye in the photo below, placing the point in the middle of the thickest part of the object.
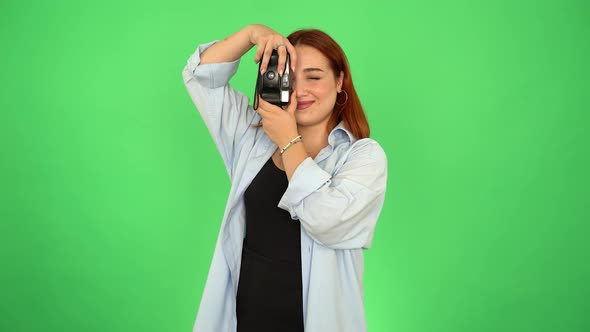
(313, 78)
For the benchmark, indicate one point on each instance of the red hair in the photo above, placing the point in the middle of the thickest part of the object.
(351, 112)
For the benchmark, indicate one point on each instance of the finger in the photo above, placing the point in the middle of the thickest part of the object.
(282, 50)
(293, 103)
(268, 107)
(292, 54)
(256, 103)
(266, 57)
(265, 105)
(262, 114)
(261, 46)
(259, 52)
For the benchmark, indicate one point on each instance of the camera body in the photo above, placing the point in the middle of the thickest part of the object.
(270, 86)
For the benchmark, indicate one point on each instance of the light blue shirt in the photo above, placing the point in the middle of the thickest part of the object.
(336, 197)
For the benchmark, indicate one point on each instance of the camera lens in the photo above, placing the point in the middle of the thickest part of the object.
(270, 75)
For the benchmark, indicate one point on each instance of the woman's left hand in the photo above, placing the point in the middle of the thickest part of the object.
(279, 124)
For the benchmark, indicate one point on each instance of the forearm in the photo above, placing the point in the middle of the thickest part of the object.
(234, 46)
(292, 157)
(339, 210)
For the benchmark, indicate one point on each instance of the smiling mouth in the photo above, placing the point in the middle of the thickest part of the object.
(304, 105)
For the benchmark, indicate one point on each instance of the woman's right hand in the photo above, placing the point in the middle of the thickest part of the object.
(266, 40)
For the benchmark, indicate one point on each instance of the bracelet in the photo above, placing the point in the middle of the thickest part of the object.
(293, 141)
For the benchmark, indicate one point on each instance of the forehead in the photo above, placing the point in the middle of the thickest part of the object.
(309, 57)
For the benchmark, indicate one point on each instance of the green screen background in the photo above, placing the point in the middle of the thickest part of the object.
(113, 192)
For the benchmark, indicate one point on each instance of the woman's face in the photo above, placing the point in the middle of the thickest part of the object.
(316, 87)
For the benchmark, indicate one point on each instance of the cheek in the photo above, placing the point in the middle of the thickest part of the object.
(329, 98)
(326, 94)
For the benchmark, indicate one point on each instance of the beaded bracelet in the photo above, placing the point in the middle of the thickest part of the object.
(293, 141)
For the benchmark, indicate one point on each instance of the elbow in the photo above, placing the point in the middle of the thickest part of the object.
(347, 229)
(323, 235)
(341, 234)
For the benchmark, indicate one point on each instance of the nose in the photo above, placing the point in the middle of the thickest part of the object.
(300, 88)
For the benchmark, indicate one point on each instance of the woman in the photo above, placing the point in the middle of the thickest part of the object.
(307, 188)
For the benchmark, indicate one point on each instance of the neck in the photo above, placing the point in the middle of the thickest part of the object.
(314, 138)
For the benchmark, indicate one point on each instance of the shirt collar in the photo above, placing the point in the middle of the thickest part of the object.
(340, 135)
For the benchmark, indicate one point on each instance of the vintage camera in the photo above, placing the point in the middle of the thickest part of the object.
(270, 86)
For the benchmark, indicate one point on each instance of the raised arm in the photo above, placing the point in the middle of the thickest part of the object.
(226, 111)
(237, 44)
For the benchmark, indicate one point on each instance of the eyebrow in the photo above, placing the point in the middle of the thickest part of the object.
(307, 70)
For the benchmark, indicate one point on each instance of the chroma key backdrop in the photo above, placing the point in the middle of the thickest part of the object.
(113, 191)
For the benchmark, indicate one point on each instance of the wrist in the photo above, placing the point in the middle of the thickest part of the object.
(295, 140)
(286, 139)
(254, 31)
(250, 30)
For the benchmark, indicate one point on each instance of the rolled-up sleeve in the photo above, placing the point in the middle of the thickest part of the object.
(224, 110)
(340, 210)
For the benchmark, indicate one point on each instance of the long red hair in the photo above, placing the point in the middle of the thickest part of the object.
(351, 112)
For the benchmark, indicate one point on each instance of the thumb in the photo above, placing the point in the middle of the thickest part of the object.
(293, 104)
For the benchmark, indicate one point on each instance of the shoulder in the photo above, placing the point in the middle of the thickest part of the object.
(340, 138)
(367, 148)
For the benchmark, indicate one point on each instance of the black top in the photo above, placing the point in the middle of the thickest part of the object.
(269, 291)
